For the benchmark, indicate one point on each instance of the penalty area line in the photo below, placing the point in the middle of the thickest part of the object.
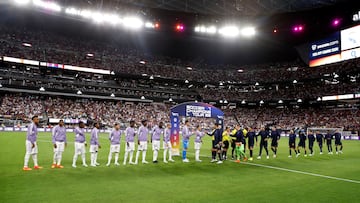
(302, 172)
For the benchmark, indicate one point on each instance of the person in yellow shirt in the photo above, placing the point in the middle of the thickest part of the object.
(226, 142)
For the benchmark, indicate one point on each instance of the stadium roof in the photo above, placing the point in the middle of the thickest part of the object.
(215, 7)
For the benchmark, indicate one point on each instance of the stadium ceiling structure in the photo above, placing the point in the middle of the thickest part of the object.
(214, 7)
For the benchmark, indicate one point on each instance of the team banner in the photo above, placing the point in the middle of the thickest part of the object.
(190, 109)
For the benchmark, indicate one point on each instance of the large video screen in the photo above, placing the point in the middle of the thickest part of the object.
(338, 47)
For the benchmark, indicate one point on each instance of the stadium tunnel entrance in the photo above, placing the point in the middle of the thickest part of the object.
(191, 109)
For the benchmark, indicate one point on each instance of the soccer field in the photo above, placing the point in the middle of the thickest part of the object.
(327, 178)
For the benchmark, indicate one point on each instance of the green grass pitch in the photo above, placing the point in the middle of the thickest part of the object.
(176, 182)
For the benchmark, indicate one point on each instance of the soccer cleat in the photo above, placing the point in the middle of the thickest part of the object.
(27, 168)
(186, 161)
(171, 160)
(53, 166)
(237, 161)
(85, 165)
(250, 159)
(321, 153)
(340, 152)
(117, 164)
(92, 165)
(198, 160)
(37, 167)
(219, 162)
(213, 160)
(245, 159)
(132, 163)
(74, 166)
(59, 166)
(165, 161)
(259, 157)
(274, 156)
(311, 154)
(144, 162)
(297, 155)
(97, 164)
(107, 164)
(155, 162)
(267, 157)
(290, 156)
(337, 152)
(305, 155)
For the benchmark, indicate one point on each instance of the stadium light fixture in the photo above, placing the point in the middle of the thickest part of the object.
(47, 5)
(280, 101)
(112, 95)
(149, 25)
(298, 28)
(225, 101)
(151, 77)
(170, 99)
(299, 100)
(179, 27)
(221, 101)
(256, 84)
(295, 82)
(78, 92)
(186, 81)
(133, 23)
(1, 85)
(42, 89)
(142, 97)
(243, 102)
(261, 102)
(240, 71)
(336, 22)
(229, 31)
(90, 55)
(206, 29)
(248, 31)
(188, 68)
(27, 44)
(318, 99)
(22, 2)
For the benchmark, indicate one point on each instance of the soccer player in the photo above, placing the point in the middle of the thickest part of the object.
(31, 145)
(114, 137)
(337, 136)
(94, 145)
(80, 144)
(275, 137)
(142, 142)
(239, 149)
(264, 135)
(155, 140)
(59, 142)
(233, 146)
(167, 143)
(292, 140)
(328, 138)
(226, 142)
(245, 131)
(320, 140)
(301, 144)
(251, 135)
(198, 142)
(130, 145)
(186, 136)
(216, 143)
(311, 138)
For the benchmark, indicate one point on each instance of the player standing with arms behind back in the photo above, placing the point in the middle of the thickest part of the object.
(264, 135)
(320, 140)
(142, 141)
(94, 145)
(337, 136)
(130, 145)
(275, 137)
(292, 140)
(251, 135)
(59, 142)
(328, 138)
(80, 144)
(155, 140)
(311, 138)
(167, 143)
(114, 137)
(31, 145)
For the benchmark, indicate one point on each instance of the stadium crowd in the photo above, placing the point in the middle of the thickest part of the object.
(109, 112)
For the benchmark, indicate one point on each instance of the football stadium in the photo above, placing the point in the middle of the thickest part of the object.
(179, 101)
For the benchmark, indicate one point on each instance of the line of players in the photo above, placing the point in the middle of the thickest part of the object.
(221, 142)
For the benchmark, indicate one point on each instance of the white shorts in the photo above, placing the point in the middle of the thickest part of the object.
(115, 148)
(94, 148)
(29, 149)
(197, 145)
(131, 146)
(167, 145)
(142, 146)
(156, 144)
(79, 148)
(60, 146)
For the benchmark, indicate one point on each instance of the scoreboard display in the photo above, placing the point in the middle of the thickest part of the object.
(340, 46)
